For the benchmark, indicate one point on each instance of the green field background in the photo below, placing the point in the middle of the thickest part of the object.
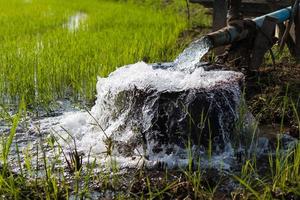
(42, 60)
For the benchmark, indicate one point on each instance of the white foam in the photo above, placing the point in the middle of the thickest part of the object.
(142, 75)
(89, 134)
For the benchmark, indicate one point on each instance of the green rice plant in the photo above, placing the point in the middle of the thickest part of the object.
(7, 141)
(284, 108)
(296, 114)
(27, 161)
(286, 171)
(150, 193)
(210, 142)
(87, 178)
(50, 182)
(194, 178)
(256, 186)
(9, 187)
(19, 161)
(73, 158)
(108, 140)
(284, 177)
(43, 59)
(283, 56)
(193, 173)
(155, 193)
(5, 115)
(9, 181)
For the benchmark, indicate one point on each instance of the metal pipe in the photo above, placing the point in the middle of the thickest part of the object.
(281, 15)
(233, 32)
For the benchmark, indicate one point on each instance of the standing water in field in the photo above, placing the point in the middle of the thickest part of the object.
(75, 21)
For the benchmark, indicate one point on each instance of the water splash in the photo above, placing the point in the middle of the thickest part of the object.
(188, 59)
(128, 106)
(143, 111)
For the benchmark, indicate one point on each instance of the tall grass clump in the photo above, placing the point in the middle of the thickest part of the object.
(281, 177)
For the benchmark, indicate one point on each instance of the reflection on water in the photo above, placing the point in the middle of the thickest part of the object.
(76, 20)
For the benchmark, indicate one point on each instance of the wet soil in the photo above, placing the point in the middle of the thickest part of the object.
(273, 96)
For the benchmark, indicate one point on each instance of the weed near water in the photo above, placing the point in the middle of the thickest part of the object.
(48, 176)
(277, 175)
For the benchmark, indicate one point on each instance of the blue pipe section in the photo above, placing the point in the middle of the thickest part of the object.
(232, 34)
(281, 15)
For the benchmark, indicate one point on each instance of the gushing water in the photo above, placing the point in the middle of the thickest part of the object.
(146, 114)
(188, 59)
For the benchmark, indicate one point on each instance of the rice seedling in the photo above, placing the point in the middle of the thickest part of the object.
(281, 180)
(43, 57)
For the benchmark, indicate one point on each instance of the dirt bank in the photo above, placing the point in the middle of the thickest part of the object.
(273, 96)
